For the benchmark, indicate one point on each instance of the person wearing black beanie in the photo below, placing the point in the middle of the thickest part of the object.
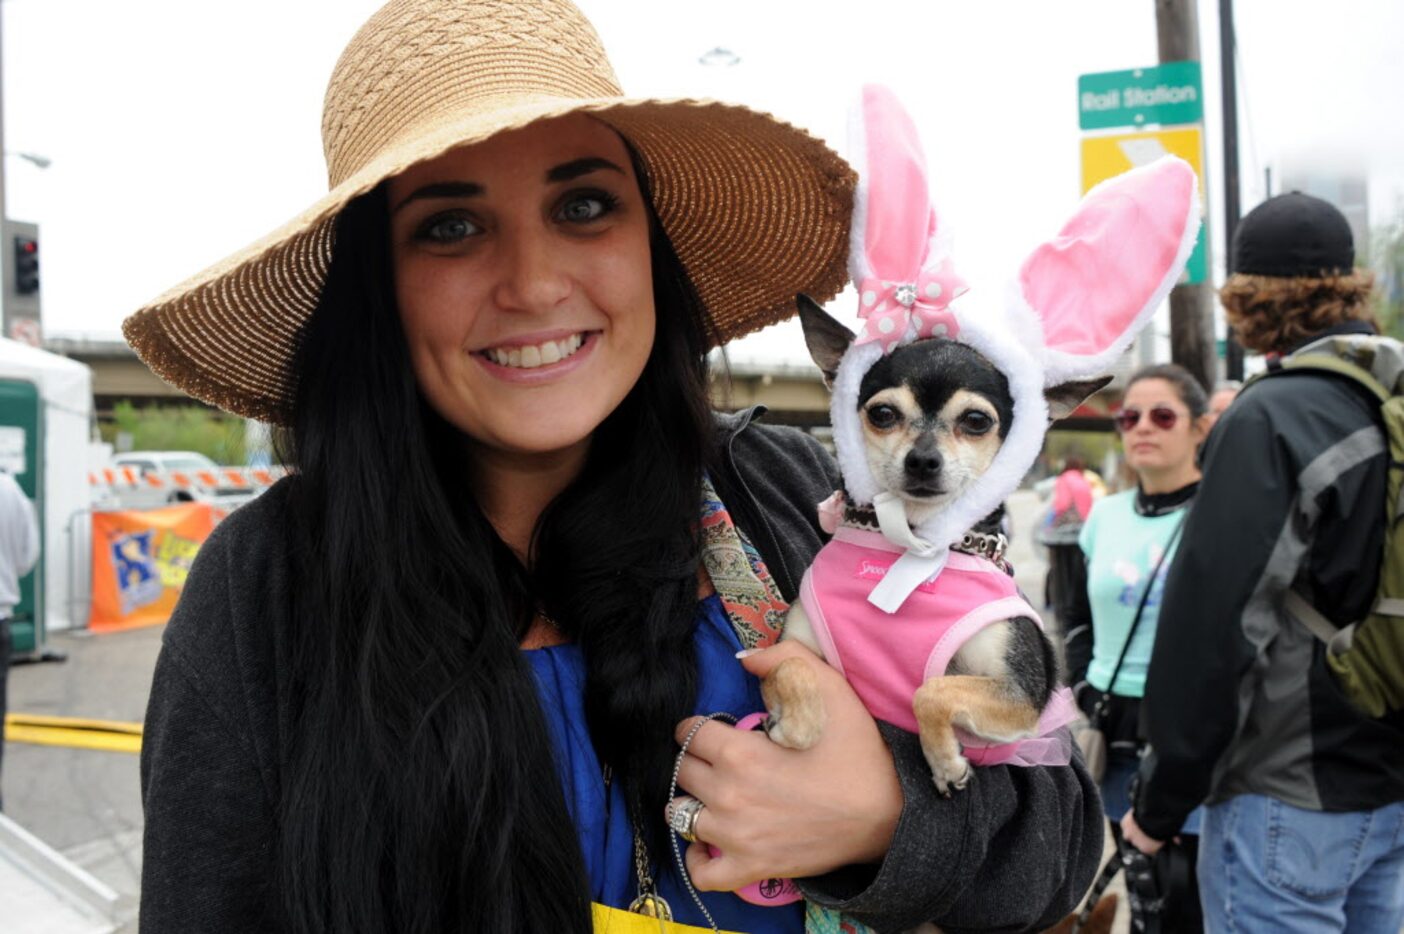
(1293, 276)
(1303, 826)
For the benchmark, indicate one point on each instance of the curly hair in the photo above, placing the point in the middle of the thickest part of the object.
(1272, 314)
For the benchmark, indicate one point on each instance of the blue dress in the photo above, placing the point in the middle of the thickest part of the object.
(601, 815)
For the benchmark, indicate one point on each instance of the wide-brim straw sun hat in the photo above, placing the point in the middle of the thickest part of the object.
(756, 209)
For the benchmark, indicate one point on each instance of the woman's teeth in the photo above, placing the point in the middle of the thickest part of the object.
(535, 355)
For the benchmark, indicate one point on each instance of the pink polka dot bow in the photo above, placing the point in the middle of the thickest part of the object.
(890, 308)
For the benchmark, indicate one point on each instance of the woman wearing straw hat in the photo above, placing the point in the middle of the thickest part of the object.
(437, 680)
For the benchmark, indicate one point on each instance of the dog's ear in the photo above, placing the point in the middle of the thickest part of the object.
(826, 339)
(1065, 397)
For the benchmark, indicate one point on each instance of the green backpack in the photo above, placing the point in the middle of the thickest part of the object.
(1367, 657)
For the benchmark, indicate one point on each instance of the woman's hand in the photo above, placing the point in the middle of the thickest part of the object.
(776, 812)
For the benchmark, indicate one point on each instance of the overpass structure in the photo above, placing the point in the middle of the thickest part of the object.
(117, 373)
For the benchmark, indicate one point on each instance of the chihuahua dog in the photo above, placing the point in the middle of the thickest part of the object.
(934, 414)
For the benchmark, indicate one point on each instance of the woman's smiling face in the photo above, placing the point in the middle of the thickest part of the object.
(523, 277)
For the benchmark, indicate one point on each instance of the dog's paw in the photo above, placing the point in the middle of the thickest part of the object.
(952, 775)
(793, 732)
(791, 695)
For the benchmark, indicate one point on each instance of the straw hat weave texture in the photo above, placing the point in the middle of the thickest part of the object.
(756, 209)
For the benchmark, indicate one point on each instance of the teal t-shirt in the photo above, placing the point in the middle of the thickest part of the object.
(1122, 549)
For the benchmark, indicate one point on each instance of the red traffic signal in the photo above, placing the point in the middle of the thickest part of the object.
(26, 265)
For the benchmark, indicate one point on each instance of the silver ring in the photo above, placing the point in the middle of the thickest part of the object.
(682, 816)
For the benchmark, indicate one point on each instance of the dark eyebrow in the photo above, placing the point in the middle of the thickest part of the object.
(578, 167)
(442, 190)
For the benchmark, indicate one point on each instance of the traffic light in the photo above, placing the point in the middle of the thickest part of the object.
(26, 265)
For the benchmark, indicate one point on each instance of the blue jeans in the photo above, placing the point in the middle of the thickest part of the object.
(1267, 866)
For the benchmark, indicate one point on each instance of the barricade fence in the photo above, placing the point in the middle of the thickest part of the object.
(126, 479)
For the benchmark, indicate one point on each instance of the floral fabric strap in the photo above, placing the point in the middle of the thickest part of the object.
(753, 602)
(757, 610)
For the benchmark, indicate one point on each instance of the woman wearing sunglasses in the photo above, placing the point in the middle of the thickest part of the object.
(1129, 541)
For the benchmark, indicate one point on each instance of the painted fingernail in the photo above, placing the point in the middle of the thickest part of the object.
(747, 653)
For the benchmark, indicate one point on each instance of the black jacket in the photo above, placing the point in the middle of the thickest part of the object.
(1013, 851)
(1238, 699)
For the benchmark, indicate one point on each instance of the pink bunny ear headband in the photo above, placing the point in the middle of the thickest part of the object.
(1078, 301)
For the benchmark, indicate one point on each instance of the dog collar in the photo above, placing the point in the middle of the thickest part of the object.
(991, 546)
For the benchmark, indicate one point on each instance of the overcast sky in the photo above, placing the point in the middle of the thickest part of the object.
(180, 130)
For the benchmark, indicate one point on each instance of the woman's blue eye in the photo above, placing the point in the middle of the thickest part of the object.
(581, 209)
(449, 229)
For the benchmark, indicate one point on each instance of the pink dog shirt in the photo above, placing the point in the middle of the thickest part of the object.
(887, 657)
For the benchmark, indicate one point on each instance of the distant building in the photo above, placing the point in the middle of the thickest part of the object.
(117, 374)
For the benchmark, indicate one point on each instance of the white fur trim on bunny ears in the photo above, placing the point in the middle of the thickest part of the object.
(858, 268)
(851, 451)
(1096, 284)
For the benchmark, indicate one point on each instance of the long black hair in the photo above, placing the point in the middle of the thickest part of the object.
(419, 787)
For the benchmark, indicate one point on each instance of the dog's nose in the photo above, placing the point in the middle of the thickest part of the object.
(923, 465)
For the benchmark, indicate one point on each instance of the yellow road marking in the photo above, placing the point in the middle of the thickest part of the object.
(73, 732)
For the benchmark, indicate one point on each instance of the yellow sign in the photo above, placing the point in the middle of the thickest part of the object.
(1106, 156)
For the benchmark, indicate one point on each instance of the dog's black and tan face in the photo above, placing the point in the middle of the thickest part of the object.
(934, 412)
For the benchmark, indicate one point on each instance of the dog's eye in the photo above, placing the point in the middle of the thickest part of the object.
(975, 422)
(883, 416)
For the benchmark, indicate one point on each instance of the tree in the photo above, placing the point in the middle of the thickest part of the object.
(1387, 261)
(179, 428)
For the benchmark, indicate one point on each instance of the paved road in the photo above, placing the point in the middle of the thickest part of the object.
(85, 803)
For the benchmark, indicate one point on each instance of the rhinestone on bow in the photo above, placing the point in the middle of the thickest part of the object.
(906, 295)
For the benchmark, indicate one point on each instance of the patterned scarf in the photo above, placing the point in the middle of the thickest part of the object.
(753, 601)
(757, 610)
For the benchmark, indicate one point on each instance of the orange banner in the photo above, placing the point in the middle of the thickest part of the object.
(140, 560)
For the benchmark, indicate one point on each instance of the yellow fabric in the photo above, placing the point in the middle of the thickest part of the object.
(617, 921)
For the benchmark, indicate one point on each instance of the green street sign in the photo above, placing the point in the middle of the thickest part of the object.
(1166, 94)
(1197, 269)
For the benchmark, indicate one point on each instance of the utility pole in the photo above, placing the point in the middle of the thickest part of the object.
(4, 235)
(1228, 56)
(1191, 306)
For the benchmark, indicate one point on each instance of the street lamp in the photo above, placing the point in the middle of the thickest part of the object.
(719, 58)
(42, 162)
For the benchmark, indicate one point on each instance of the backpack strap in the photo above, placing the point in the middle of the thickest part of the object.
(1330, 364)
(1337, 639)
